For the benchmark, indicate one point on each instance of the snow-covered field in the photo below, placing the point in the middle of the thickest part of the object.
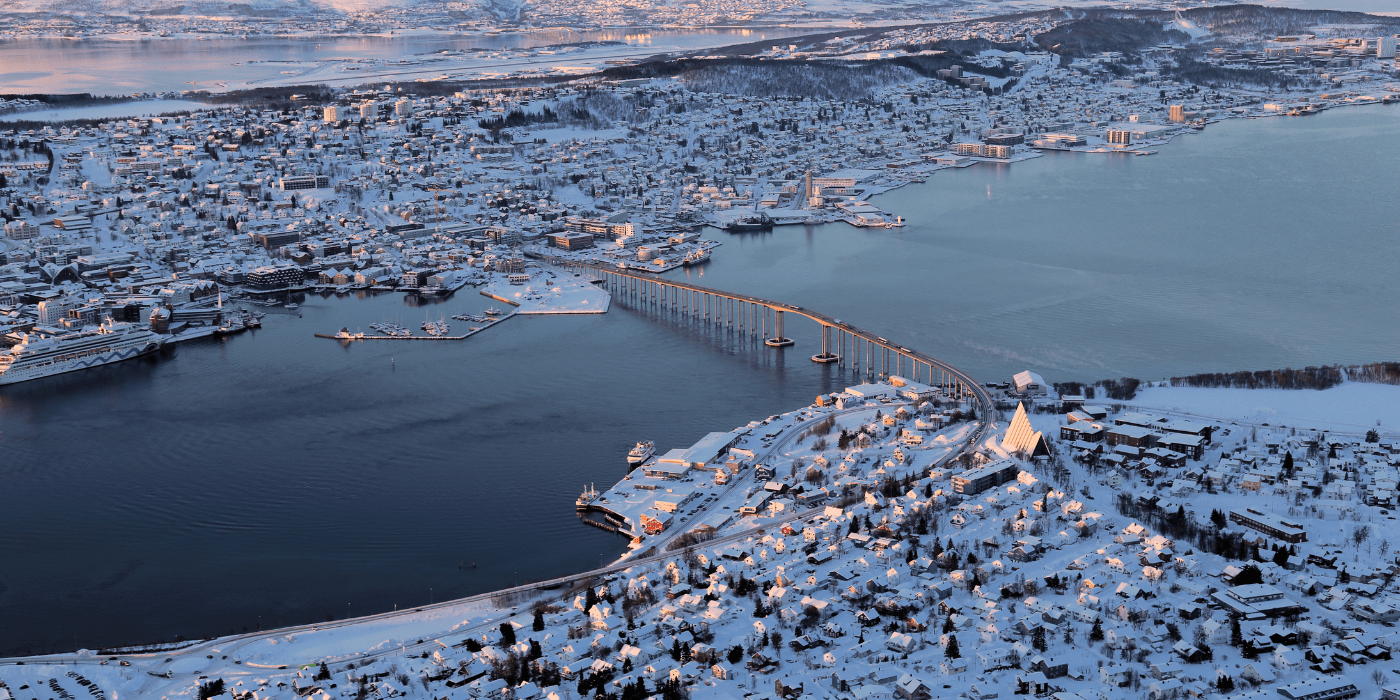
(142, 108)
(549, 292)
(1352, 407)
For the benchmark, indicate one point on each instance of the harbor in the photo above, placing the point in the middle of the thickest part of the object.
(536, 291)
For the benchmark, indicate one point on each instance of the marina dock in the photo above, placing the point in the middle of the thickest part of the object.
(396, 337)
(464, 336)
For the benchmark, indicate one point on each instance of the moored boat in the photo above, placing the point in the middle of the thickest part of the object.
(641, 453)
(38, 356)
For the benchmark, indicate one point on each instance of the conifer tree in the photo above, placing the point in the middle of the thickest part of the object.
(951, 651)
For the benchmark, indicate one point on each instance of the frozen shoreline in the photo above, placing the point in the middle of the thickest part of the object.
(1353, 407)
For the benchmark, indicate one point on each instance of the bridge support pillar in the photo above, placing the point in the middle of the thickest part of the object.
(778, 341)
(826, 356)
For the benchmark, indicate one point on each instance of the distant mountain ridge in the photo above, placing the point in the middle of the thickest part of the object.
(198, 8)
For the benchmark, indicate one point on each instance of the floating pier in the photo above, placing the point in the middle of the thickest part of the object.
(397, 337)
(464, 336)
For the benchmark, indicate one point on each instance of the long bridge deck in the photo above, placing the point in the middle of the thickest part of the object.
(755, 315)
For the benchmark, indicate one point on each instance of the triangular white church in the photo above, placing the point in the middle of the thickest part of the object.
(1021, 437)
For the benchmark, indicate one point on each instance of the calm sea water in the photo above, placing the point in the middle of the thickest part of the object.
(1256, 244)
(107, 67)
(272, 478)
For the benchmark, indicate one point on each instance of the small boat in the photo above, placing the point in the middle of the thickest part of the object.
(435, 328)
(589, 496)
(493, 311)
(291, 305)
(641, 453)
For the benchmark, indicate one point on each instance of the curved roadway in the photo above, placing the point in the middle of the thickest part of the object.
(978, 392)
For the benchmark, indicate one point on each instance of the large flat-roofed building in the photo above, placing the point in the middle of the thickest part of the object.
(304, 182)
(977, 480)
(912, 390)
(1188, 427)
(1269, 524)
(1193, 446)
(672, 465)
(1082, 430)
(275, 239)
(1256, 601)
(871, 391)
(1320, 688)
(1029, 382)
(275, 276)
(1141, 420)
(673, 500)
(493, 153)
(75, 222)
(709, 449)
(1130, 435)
(1005, 139)
(571, 241)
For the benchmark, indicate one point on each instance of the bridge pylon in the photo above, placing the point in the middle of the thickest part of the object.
(778, 340)
(826, 356)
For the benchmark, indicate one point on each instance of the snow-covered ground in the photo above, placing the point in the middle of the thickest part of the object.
(550, 292)
(142, 108)
(1351, 407)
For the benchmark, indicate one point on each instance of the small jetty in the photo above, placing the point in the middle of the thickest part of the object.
(345, 333)
(361, 336)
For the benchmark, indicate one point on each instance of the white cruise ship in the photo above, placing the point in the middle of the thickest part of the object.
(41, 357)
(641, 453)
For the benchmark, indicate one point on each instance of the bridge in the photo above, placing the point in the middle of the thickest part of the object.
(842, 343)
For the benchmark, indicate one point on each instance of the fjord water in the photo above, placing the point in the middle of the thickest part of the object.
(276, 478)
(272, 478)
(116, 66)
(1256, 244)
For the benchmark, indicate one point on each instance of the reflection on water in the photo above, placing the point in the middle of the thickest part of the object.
(113, 66)
(1256, 244)
(273, 477)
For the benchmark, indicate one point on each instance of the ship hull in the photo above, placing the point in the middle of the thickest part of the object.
(765, 226)
(15, 375)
